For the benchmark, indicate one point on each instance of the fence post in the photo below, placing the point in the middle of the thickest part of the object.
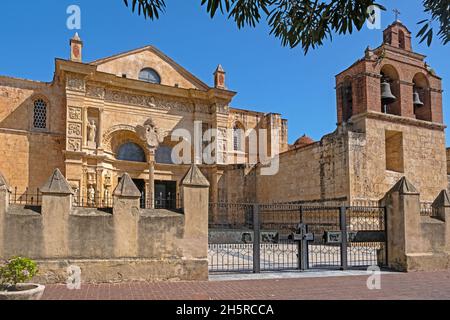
(126, 213)
(343, 223)
(56, 206)
(256, 240)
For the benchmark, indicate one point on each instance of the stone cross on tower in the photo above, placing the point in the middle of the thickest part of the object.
(397, 14)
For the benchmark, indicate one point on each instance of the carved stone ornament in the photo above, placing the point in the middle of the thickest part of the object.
(75, 82)
(75, 113)
(150, 133)
(95, 92)
(161, 103)
(74, 129)
(74, 144)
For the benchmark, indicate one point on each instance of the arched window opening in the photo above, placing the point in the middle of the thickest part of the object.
(421, 98)
(390, 91)
(347, 100)
(40, 114)
(238, 137)
(164, 155)
(387, 38)
(401, 40)
(131, 152)
(149, 75)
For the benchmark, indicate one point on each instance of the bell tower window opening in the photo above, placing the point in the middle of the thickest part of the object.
(347, 100)
(421, 98)
(40, 114)
(394, 151)
(401, 40)
(390, 91)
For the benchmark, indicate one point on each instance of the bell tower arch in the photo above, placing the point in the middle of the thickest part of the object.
(389, 114)
(391, 79)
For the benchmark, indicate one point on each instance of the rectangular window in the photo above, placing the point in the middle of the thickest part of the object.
(394, 151)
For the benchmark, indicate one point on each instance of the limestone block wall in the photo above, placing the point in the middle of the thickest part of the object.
(121, 244)
(28, 155)
(315, 172)
(238, 184)
(416, 242)
(422, 151)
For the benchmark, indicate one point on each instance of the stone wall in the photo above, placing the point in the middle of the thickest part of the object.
(361, 161)
(423, 156)
(416, 242)
(315, 172)
(124, 244)
(30, 155)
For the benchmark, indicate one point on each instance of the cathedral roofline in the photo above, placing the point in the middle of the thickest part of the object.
(108, 79)
(159, 53)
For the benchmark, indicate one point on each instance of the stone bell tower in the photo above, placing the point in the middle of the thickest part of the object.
(392, 101)
(391, 79)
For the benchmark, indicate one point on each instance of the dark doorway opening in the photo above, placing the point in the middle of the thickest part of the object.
(165, 194)
(140, 184)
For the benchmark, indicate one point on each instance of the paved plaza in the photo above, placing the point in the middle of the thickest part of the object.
(323, 286)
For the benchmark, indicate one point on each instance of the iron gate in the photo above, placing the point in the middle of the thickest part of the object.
(254, 237)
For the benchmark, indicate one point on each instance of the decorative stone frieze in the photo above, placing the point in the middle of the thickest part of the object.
(75, 82)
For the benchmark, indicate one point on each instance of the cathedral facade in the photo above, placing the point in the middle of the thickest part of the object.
(97, 120)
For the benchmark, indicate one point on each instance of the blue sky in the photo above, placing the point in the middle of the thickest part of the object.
(267, 76)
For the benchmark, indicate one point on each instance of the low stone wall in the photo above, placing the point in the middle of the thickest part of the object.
(415, 242)
(128, 244)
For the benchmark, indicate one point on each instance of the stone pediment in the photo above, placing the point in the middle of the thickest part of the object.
(130, 63)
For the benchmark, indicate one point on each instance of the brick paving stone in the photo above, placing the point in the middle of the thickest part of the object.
(420, 285)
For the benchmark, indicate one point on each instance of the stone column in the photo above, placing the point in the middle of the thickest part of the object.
(100, 129)
(403, 223)
(441, 206)
(196, 198)
(126, 218)
(151, 180)
(56, 206)
(85, 126)
(4, 204)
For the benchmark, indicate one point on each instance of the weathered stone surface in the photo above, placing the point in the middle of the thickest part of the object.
(403, 186)
(57, 184)
(3, 183)
(442, 200)
(127, 188)
(194, 177)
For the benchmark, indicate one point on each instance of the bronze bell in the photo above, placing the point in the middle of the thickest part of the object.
(416, 98)
(386, 95)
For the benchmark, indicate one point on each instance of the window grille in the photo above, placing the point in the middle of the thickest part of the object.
(40, 114)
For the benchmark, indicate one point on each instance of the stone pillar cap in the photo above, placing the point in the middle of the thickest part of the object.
(404, 186)
(127, 188)
(442, 200)
(194, 177)
(57, 184)
(3, 183)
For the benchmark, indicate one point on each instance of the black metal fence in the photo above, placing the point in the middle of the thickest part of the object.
(93, 201)
(169, 202)
(28, 197)
(252, 237)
